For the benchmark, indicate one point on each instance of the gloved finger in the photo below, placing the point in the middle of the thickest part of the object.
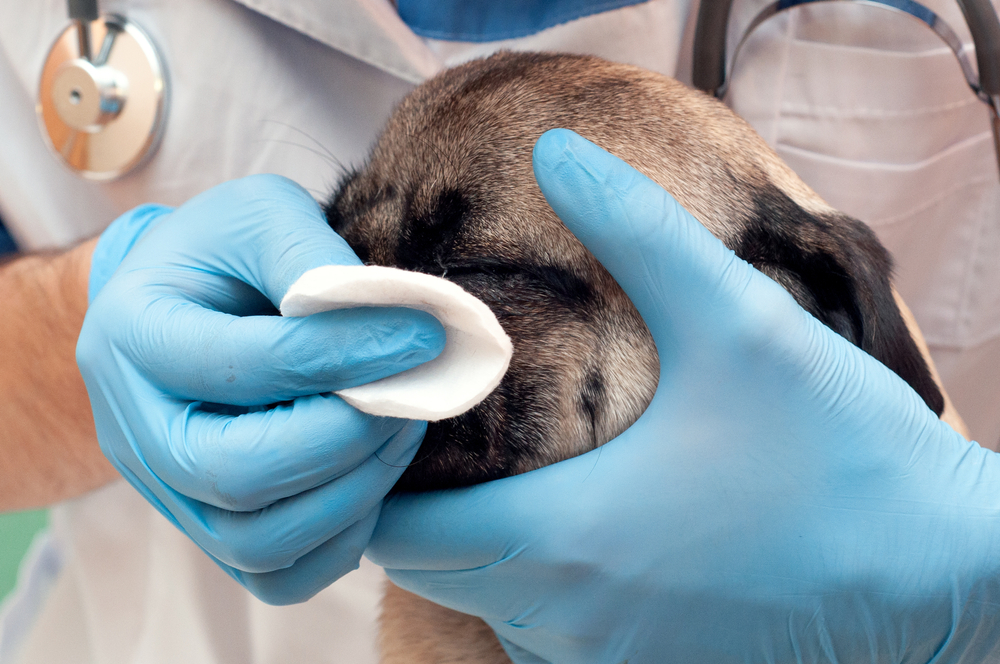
(259, 457)
(275, 536)
(283, 257)
(117, 240)
(304, 578)
(215, 292)
(283, 235)
(315, 570)
(519, 655)
(434, 531)
(202, 355)
(680, 277)
(493, 592)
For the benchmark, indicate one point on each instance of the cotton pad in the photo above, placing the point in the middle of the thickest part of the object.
(475, 357)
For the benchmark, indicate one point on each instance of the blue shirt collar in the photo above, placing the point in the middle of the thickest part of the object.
(493, 20)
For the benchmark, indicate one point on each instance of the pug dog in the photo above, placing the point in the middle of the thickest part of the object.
(448, 190)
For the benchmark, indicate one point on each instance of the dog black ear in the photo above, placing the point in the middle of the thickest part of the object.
(837, 269)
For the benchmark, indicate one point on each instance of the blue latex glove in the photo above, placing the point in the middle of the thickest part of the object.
(784, 498)
(284, 497)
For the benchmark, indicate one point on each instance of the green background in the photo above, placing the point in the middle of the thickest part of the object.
(16, 531)
(16, 528)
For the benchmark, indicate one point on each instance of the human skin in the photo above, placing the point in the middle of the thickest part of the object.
(49, 450)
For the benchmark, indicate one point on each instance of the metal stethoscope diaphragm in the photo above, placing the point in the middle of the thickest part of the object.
(102, 100)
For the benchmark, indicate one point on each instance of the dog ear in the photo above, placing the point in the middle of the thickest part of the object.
(837, 269)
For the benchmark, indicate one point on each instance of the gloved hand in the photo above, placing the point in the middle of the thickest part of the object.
(784, 498)
(218, 411)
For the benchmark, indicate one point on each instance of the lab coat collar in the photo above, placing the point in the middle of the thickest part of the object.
(369, 30)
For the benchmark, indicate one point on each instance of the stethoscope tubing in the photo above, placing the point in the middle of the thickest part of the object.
(712, 69)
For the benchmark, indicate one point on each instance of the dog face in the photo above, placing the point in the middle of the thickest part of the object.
(449, 190)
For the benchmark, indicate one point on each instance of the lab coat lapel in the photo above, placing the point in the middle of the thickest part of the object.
(369, 30)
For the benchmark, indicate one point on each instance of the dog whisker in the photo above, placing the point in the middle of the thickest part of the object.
(329, 153)
(332, 161)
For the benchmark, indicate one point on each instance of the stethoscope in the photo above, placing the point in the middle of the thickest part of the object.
(102, 99)
(712, 72)
(103, 113)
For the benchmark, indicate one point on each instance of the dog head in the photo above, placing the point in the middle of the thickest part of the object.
(449, 190)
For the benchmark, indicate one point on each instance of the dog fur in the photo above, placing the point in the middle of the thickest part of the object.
(449, 190)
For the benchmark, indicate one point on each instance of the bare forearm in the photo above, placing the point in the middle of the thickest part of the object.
(48, 448)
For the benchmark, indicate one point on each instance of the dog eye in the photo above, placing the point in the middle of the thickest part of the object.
(561, 284)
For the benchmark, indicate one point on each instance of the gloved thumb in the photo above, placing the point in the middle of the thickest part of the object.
(117, 240)
(283, 232)
(675, 271)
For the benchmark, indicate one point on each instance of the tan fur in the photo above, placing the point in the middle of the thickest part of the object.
(417, 631)
(950, 416)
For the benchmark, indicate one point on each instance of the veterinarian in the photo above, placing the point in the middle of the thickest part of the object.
(793, 501)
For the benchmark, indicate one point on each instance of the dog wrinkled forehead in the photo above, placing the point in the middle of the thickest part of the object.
(452, 176)
(471, 130)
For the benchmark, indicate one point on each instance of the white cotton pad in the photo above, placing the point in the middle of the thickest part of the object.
(476, 353)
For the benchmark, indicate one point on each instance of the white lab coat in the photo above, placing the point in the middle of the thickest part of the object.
(276, 85)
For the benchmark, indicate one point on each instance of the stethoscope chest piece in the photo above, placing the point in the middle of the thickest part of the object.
(103, 113)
